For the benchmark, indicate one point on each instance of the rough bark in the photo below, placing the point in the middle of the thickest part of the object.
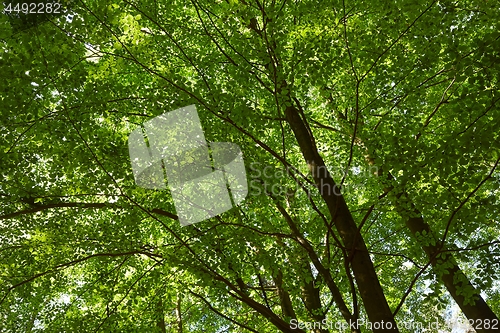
(267, 313)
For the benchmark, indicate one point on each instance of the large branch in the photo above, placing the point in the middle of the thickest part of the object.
(219, 313)
(38, 208)
(325, 273)
(284, 296)
(242, 296)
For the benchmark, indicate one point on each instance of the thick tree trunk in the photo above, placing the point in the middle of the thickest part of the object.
(371, 292)
(455, 279)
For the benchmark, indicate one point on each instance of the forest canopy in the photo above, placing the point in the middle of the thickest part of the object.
(370, 138)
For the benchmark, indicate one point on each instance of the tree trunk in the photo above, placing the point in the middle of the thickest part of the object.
(161, 316)
(178, 315)
(479, 311)
(371, 292)
(284, 296)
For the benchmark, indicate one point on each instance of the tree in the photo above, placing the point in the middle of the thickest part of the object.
(369, 133)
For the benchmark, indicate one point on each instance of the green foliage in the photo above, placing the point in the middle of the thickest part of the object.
(401, 98)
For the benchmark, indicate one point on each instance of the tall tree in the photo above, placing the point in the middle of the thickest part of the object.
(370, 137)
